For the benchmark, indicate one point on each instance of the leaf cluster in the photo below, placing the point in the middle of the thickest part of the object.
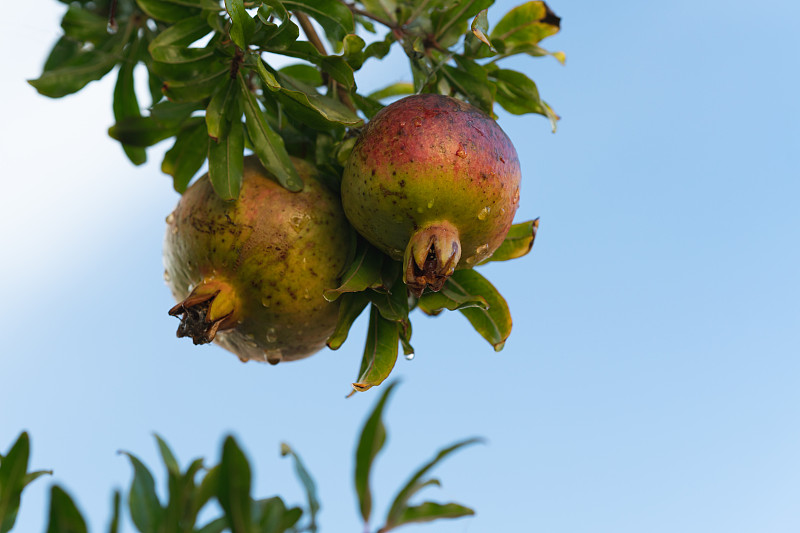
(214, 93)
(228, 484)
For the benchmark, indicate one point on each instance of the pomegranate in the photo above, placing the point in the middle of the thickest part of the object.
(249, 274)
(434, 182)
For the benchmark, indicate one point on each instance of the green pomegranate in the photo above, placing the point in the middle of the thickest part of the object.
(249, 273)
(434, 182)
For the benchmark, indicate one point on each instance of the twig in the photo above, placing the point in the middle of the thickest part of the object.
(310, 32)
(314, 39)
(366, 14)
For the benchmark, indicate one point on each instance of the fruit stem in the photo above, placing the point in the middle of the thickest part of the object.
(431, 257)
(211, 307)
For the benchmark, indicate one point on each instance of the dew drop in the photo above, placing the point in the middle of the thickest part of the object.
(516, 196)
(273, 357)
(420, 210)
(299, 220)
(482, 249)
(166, 276)
(307, 295)
(417, 122)
(271, 336)
(265, 302)
(430, 204)
(470, 260)
(171, 218)
(397, 252)
(410, 356)
(484, 213)
(175, 229)
(112, 27)
(461, 152)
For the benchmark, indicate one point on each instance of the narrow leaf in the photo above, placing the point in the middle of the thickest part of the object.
(13, 471)
(63, 51)
(308, 485)
(480, 26)
(64, 516)
(380, 351)
(494, 323)
(146, 511)
(401, 88)
(351, 305)
(429, 511)
(526, 24)
(74, 74)
(125, 103)
(267, 144)
(370, 443)
(243, 25)
(226, 162)
(113, 526)
(166, 11)
(218, 112)
(186, 156)
(363, 273)
(234, 486)
(195, 90)
(400, 503)
(518, 241)
(167, 456)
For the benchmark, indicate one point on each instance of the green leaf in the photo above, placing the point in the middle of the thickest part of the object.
(471, 80)
(63, 51)
(267, 78)
(308, 484)
(207, 489)
(74, 74)
(370, 443)
(380, 351)
(215, 526)
(274, 517)
(64, 514)
(451, 23)
(13, 470)
(234, 486)
(167, 456)
(518, 242)
(401, 88)
(432, 303)
(170, 46)
(393, 305)
(125, 103)
(226, 162)
(400, 503)
(166, 11)
(113, 526)
(494, 323)
(220, 109)
(352, 50)
(367, 105)
(267, 144)
(332, 111)
(351, 305)
(526, 24)
(186, 156)
(243, 25)
(305, 74)
(146, 511)
(334, 17)
(363, 273)
(480, 26)
(142, 131)
(195, 90)
(518, 95)
(84, 25)
(405, 339)
(429, 511)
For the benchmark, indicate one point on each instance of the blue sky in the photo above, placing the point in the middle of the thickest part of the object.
(650, 382)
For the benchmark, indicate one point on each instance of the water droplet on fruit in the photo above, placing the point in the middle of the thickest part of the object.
(461, 152)
(484, 213)
(482, 249)
(265, 302)
(430, 204)
(417, 122)
(409, 356)
(516, 196)
(273, 357)
(166, 276)
(271, 336)
(299, 220)
(171, 218)
(307, 295)
(175, 229)
(420, 210)
(397, 252)
(470, 260)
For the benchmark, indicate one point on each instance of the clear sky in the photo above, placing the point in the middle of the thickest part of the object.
(651, 380)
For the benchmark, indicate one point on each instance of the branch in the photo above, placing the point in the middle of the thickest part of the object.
(366, 14)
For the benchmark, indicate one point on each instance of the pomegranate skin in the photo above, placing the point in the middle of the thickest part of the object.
(250, 273)
(431, 173)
